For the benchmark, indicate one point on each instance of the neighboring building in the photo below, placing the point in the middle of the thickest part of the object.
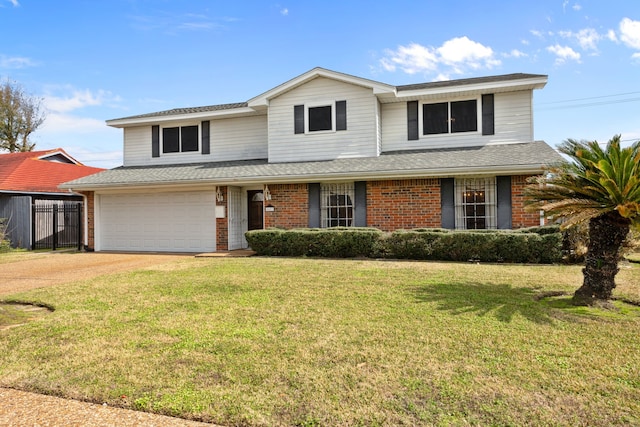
(321, 150)
(31, 179)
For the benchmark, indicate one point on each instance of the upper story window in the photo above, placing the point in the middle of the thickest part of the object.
(469, 115)
(320, 117)
(180, 139)
(450, 117)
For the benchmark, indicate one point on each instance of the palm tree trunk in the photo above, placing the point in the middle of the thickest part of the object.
(606, 234)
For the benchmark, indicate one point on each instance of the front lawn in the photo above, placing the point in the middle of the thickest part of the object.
(260, 341)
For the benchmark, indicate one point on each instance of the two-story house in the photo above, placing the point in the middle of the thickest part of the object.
(324, 149)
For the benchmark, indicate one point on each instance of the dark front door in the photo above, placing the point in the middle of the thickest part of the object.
(255, 210)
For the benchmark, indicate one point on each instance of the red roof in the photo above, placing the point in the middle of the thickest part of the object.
(40, 171)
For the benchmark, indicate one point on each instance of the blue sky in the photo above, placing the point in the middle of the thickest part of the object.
(93, 60)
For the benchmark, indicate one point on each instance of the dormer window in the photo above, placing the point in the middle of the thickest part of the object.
(180, 139)
(320, 117)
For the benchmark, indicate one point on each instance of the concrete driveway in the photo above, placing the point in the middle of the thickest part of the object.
(32, 270)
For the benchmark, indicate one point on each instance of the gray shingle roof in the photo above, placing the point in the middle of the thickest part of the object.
(509, 158)
(188, 110)
(470, 81)
(418, 86)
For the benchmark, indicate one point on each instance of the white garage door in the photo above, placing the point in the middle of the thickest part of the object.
(158, 222)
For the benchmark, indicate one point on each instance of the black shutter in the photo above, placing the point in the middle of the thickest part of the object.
(412, 120)
(206, 147)
(360, 189)
(487, 115)
(341, 115)
(447, 203)
(298, 118)
(314, 205)
(155, 141)
(503, 193)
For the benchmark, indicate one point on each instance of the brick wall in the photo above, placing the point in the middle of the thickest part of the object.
(291, 206)
(90, 211)
(222, 224)
(403, 204)
(519, 217)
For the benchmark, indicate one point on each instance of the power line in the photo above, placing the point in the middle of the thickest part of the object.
(591, 97)
(588, 104)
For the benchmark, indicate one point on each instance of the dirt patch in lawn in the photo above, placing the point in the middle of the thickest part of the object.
(36, 270)
(14, 314)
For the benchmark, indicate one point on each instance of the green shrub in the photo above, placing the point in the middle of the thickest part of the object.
(517, 246)
(345, 242)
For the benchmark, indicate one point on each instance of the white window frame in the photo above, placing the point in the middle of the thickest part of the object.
(486, 184)
(478, 130)
(338, 189)
(180, 126)
(307, 107)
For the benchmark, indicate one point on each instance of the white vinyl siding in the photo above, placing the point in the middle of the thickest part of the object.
(359, 140)
(230, 139)
(156, 222)
(512, 117)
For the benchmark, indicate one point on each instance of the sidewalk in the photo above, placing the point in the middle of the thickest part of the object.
(22, 409)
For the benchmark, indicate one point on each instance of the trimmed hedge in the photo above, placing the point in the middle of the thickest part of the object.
(535, 245)
(346, 242)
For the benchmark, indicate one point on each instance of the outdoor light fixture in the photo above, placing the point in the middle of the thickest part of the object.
(267, 193)
(219, 196)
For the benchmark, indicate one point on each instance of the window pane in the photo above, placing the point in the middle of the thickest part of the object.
(435, 118)
(171, 140)
(320, 118)
(337, 208)
(189, 138)
(464, 116)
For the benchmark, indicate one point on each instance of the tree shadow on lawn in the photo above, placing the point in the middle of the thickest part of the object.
(503, 301)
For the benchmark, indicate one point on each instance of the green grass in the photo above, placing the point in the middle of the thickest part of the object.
(261, 341)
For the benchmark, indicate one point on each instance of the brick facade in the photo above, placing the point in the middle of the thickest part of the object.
(391, 205)
(222, 224)
(290, 204)
(403, 204)
(519, 217)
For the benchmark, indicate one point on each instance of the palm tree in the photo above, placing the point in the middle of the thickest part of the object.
(598, 186)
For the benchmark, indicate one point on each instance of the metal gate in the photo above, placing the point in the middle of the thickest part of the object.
(56, 225)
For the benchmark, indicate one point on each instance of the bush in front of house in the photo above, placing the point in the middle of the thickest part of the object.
(485, 246)
(339, 242)
(538, 245)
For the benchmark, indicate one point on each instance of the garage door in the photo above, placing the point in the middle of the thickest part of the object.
(158, 222)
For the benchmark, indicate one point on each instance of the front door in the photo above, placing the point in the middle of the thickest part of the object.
(254, 205)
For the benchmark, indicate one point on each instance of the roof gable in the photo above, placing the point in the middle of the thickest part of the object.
(262, 100)
(40, 171)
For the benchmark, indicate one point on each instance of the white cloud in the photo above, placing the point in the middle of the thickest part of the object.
(515, 53)
(576, 7)
(15, 3)
(15, 62)
(78, 99)
(630, 33)
(456, 55)
(284, 12)
(611, 35)
(587, 38)
(564, 53)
